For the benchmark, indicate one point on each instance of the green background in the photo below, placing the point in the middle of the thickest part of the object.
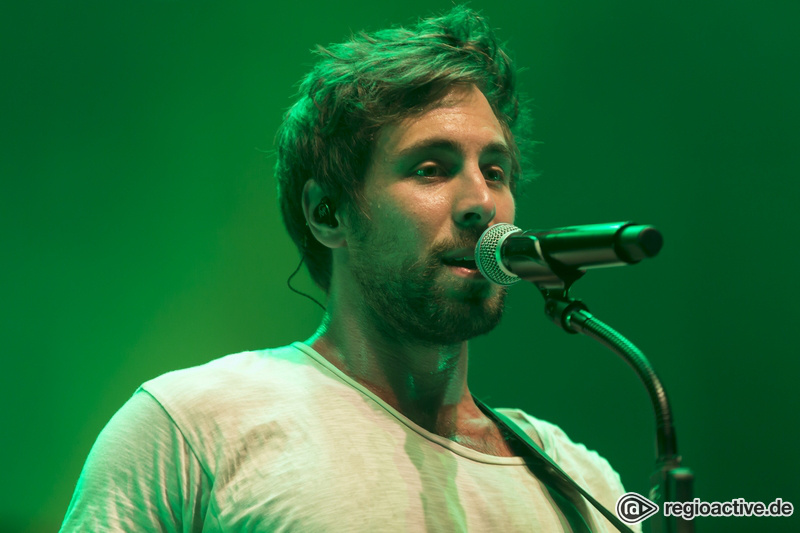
(140, 232)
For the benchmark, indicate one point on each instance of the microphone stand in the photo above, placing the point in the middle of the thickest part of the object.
(670, 481)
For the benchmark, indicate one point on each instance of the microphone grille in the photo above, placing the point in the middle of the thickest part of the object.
(487, 256)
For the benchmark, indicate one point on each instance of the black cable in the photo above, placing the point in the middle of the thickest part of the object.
(289, 284)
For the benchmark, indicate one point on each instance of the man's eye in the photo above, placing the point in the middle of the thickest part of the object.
(495, 174)
(429, 171)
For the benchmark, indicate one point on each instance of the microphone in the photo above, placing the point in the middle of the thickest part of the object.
(505, 254)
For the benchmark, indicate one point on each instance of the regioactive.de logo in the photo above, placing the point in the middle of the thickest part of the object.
(632, 508)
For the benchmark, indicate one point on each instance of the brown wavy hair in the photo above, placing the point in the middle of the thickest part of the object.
(372, 80)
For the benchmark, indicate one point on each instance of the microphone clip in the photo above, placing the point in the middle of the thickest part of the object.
(567, 313)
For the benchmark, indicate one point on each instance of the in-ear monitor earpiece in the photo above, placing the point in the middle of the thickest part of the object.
(324, 213)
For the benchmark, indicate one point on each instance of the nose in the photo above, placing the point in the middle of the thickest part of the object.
(474, 203)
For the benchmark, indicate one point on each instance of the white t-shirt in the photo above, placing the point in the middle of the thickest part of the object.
(281, 440)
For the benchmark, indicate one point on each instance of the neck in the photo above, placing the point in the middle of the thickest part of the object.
(426, 383)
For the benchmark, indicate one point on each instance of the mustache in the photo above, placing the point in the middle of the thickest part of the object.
(466, 238)
(429, 262)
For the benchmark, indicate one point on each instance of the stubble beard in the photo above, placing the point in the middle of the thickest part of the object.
(419, 300)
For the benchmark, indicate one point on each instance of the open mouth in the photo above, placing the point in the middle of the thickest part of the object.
(463, 262)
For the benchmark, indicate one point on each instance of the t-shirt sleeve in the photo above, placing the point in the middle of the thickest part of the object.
(141, 475)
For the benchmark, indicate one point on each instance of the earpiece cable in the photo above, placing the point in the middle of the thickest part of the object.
(289, 284)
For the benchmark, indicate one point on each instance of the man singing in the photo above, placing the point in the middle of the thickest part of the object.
(397, 155)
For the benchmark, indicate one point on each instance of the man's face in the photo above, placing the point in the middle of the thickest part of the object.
(435, 183)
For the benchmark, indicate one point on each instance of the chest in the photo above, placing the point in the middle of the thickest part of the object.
(372, 478)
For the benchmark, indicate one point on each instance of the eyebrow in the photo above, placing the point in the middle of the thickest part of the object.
(494, 148)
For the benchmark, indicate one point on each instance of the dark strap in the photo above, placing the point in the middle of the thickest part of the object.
(556, 480)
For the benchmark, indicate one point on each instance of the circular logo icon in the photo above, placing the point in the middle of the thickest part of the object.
(632, 508)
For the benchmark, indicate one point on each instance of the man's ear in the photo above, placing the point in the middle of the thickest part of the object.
(322, 217)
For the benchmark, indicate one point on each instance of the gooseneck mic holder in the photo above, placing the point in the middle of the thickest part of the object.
(670, 482)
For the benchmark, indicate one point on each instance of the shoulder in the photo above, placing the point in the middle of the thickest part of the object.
(218, 406)
(234, 378)
(236, 366)
(585, 466)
